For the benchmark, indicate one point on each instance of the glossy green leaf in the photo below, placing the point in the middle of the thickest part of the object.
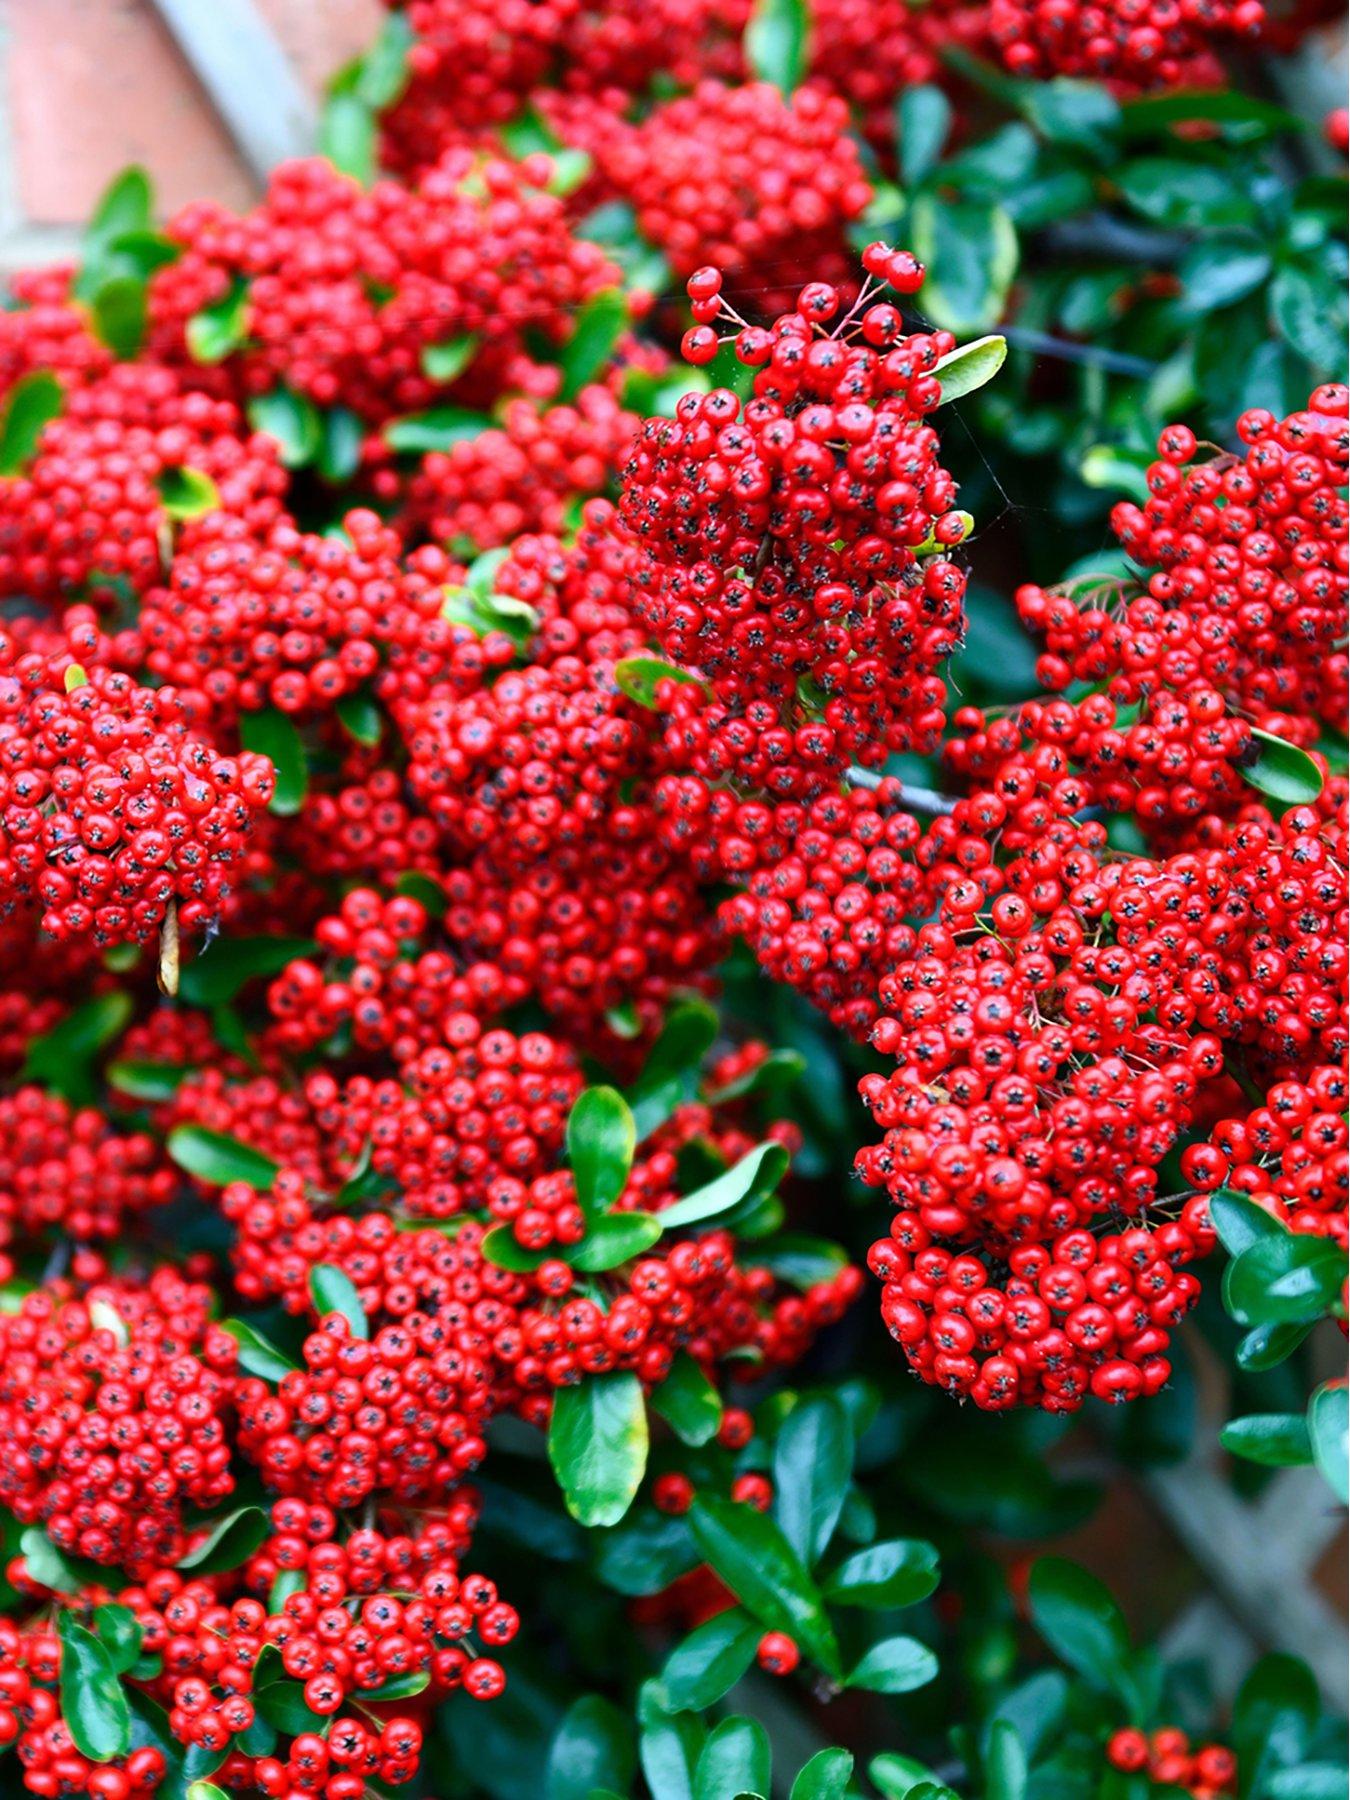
(597, 1444)
(446, 362)
(897, 1572)
(1281, 770)
(710, 1661)
(1185, 193)
(274, 734)
(93, 1703)
(600, 324)
(1267, 1346)
(1005, 1763)
(52, 1568)
(1277, 1440)
(798, 1259)
(118, 313)
(592, 1748)
(348, 135)
(187, 493)
(923, 117)
(776, 43)
(332, 1290)
(758, 1172)
(1329, 1429)
(812, 1467)
(824, 1777)
(895, 1665)
(1289, 1279)
(670, 1074)
(218, 330)
(258, 1355)
(1239, 1222)
(438, 428)
(601, 1139)
(292, 420)
(280, 1700)
(33, 401)
(504, 1250)
(612, 1239)
(688, 1401)
(736, 1760)
(384, 68)
(1079, 1619)
(1150, 113)
(970, 250)
(226, 966)
(360, 717)
(1081, 114)
(1274, 1717)
(63, 1058)
(970, 366)
(752, 1556)
(639, 676)
(229, 1543)
(121, 1634)
(399, 1687)
(218, 1160)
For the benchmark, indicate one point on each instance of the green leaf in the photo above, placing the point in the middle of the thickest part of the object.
(776, 43)
(347, 135)
(1240, 1222)
(438, 428)
(1082, 114)
(614, 1238)
(33, 401)
(446, 362)
(824, 1777)
(228, 964)
(798, 1259)
(384, 69)
(644, 1554)
(669, 1748)
(970, 250)
(53, 1569)
(1118, 471)
(62, 1059)
(121, 1634)
(895, 1665)
(1329, 1429)
(229, 1543)
(773, 1073)
(217, 1160)
(1217, 273)
(592, 1747)
(221, 328)
(736, 1760)
(1184, 193)
(1274, 1717)
(970, 366)
(125, 205)
(901, 1777)
(1308, 1781)
(399, 1687)
(504, 1250)
(1277, 1440)
(279, 1699)
(1005, 1763)
(710, 1661)
(360, 717)
(897, 1572)
(1150, 113)
(332, 1290)
(1082, 1624)
(1281, 770)
(923, 117)
(670, 1074)
(119, 314)
(638, 676)
(186, 1764)
(757, 1173)
(688, 1401)
(258, 1355)
(599, 325)
(1267, 1346)
(274, 734)
(812, 1468)
(755, 1560)
(597, 1444)
(339, 453)
(1289, 1279)
(292, 420)
(187, 493)
(601, 1139)
(93, 1703)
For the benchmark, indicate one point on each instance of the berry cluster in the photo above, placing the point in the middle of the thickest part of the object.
(1168, 1758)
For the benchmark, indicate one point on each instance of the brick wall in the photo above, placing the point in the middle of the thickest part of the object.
(87, 86)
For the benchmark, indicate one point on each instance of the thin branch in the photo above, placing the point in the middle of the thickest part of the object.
(1042, 343)
(914, 799)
